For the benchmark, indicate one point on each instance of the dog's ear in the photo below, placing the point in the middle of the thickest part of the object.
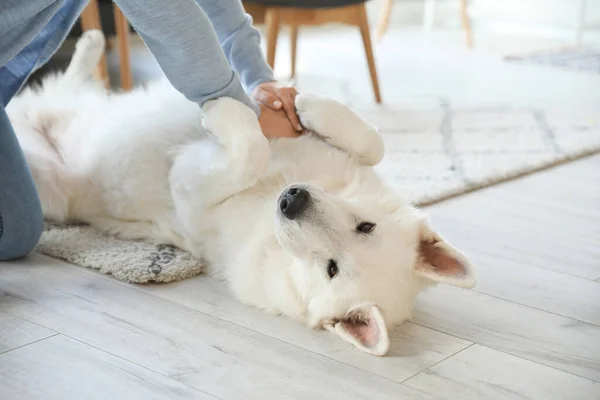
(364, 327)
(439, 261)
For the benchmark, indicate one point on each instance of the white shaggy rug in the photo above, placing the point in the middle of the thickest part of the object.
(432, 154)
(575, 59)
(442, 153)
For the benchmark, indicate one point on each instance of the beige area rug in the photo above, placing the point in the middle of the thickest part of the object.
(432, 154)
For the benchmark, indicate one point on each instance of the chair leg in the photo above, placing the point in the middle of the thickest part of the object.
(122, 30)
(90, 19)
(293, 45)
(363, 24)
(466, 23)
(272, 31)
(384, 19)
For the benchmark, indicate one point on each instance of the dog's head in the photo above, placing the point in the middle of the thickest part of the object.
(362, 260)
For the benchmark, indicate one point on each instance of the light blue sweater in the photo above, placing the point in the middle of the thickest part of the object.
(206, 48)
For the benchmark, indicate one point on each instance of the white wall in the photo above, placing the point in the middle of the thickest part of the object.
(546, 17)
(551, 13)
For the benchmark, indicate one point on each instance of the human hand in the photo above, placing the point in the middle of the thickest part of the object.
(275, 123)
(278, 97)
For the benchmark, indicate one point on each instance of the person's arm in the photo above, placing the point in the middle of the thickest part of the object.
(241, 44)
(184, 43)
(239, 40)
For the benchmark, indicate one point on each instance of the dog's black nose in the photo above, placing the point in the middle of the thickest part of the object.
(293, 202)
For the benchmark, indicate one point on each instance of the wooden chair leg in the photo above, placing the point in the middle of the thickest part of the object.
(122, 30)
(466, 23)
(272, 32)
(293, 45)
(363, 24)
(90, 19)
(384, 19)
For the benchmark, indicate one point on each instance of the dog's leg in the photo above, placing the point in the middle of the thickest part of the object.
(205, 174)
(136, 230)
(339, 126)
(88, 51)
(132, 230)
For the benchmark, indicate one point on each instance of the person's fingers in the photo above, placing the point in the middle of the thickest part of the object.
(290, 109)
(269, 99)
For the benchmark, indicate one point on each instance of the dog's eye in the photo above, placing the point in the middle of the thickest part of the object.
(332, 269)
(365, 227)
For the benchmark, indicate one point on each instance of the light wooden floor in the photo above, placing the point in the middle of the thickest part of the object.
(530, 330)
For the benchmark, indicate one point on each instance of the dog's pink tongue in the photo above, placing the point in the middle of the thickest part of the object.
(365, 330)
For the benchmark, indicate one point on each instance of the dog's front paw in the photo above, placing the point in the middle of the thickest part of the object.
(341, 127)
(92, 40)
(225, 116)
(311, 109)
(88, 51)
(236, 127)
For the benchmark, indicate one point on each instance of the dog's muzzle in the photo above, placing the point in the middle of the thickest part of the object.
(293, 202)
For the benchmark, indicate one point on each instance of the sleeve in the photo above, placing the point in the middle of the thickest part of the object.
(240, 41)
(185, 45)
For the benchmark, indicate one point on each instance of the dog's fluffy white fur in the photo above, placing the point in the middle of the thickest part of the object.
(301, 227)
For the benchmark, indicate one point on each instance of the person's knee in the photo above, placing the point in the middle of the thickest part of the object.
(35, 227)
(19, 237)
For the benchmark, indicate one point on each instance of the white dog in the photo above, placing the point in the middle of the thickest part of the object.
(301, 227)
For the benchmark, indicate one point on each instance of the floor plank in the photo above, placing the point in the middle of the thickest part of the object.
(572, 186)
(496, 236)
(413, 347)
(61, 368)
(534, 249)
(539, 288)
(548, 339)
(16, 332)
(549, 220)
(197, 349)
(482, 373)
(533, 212)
